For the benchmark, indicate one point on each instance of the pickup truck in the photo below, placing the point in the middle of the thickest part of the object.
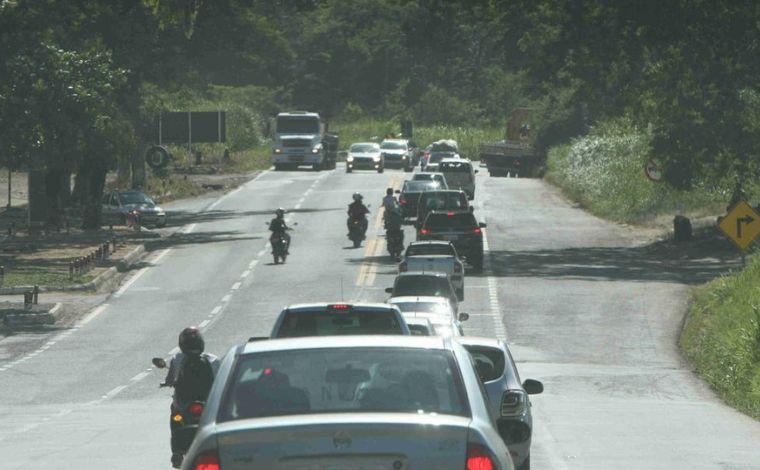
(435, 256)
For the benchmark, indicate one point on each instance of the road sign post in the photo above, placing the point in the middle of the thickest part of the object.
(741, 225)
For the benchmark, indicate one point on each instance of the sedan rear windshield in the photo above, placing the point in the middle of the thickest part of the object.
(438, 156)
(420, 186)
(455, 167)
(421, 285)
(437, 201)
(424, 307)
(457, 220)
(430, 249)
(344, 380)
(334, 323)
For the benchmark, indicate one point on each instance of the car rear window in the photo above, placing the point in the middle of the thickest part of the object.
(426, 307)
(344, 380)
(455, 167)
(421, 286)
(489, 362)
(436, 157)
(420, 186)
(457, 220)
(333, 323)
(417, 329)
(430, 249)
(444, 200)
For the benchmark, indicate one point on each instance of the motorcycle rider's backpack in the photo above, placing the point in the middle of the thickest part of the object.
(194, 380)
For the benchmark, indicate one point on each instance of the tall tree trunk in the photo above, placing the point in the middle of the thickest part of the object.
(52, 196)
(92, 176)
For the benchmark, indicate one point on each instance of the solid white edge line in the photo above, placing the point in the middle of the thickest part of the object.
(90, 316)
(216, 310)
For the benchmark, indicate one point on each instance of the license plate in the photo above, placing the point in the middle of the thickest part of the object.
(450, 238)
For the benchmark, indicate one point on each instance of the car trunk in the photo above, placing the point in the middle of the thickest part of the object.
(388, 441)
(432, 263)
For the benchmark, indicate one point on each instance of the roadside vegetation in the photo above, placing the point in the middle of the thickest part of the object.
(721, 336)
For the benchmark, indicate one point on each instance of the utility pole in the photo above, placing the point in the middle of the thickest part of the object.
(10, 174)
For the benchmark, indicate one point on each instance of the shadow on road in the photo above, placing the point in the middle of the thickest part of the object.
(179, 218)
(181, 239)
(693, 262)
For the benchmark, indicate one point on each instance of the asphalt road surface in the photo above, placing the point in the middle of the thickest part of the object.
(587, 309)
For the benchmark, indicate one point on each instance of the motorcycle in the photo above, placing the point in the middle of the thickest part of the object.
(395, 242)
(280, 247)
(356, 230)
(184, 421)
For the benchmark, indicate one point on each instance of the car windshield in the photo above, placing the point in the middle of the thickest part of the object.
(393, 146)
(421, 285)
(455, 167)
(425, 307)
(297, 125)
(420, 186)
(135, 198)
(363, 148)
(423, 177)
(344, 380)
(334, 323)
(426, 249)
(457, 220)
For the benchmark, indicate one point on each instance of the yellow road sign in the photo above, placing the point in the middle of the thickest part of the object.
(741, 225)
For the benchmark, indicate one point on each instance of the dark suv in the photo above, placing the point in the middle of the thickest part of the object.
(446, 200)
(458, 227)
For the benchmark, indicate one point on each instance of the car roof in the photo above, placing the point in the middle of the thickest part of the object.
(419, 298)
(374, 144)
(346, 341)
(323, 305)
(456, 160)
(428, 173)
(400, 141)
(431, 242)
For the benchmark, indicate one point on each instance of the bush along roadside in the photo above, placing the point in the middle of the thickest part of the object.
(721, 336)
(604, 171)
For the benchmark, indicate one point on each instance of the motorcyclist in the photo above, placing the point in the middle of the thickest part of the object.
(279, 228)
(389, 201)
(357, 211)
(191, 373)
(394, 220)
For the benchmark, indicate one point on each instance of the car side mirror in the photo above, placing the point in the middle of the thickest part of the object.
(464, 316)
(482, 225)
(398, 191)
(477, 171)
(389, 290)
(533, 387)
(159, 362)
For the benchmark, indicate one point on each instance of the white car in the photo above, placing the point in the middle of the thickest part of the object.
(340, 402)
(460, 174)
(435, 256)
(365, 155)
(436, 310)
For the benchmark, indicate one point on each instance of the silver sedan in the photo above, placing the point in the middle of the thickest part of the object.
(340, 402)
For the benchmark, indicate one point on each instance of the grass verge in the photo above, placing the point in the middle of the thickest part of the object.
(721, 336)
(604, 172)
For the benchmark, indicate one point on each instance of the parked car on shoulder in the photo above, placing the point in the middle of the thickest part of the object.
(348, 402)
(507, 394)
(365, 156)
(332, 319)
(460, 174)
(117, 205)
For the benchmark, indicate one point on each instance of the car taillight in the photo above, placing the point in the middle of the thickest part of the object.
(196, 409)
(479, 458)
(207, 461)
(457, 268)
(424, 231)
(403, 267)
(477, 230)
(402, 200)
(513, 403)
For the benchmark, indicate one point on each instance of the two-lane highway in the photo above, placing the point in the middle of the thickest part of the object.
(599, 332)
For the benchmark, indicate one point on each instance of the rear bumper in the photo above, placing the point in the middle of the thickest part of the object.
(297, 158)
(396, 161)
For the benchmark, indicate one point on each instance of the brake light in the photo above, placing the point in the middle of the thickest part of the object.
(402, 200)
(339, 307)
(478, 458)
(196, 409)
(403, 267)
(424, 231)
(209, 461)
(457, 268)
(450, 213)
(477, 230)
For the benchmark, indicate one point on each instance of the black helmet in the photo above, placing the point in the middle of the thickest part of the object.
(280, 212)
(357, 197)
(191, 341)
(389, 191)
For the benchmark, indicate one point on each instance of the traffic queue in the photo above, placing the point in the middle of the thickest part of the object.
(357, 385)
